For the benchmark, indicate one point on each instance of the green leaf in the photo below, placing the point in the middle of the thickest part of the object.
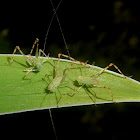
(18, 94)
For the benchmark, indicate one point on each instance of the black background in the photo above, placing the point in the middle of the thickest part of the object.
(110, 121)
(98, 31)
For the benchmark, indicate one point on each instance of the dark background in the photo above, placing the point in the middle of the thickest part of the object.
(110, 121)
(98, 31)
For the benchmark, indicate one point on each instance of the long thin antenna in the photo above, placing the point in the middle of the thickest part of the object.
(50, 117)
(60, 28)
(55, 10)
(51, 24)
(53, 124)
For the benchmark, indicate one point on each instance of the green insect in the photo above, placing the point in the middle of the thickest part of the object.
(91, 81)
(34, 62)
(58, 79)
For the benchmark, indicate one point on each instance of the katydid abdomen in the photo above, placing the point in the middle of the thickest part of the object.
(88, 81)
(55, 83)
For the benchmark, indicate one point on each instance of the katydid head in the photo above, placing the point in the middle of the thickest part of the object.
(87, 81)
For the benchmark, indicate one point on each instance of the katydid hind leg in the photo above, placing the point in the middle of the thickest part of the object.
(110, 65)
(90, 94)
(66, 56)
(36, 42)
(107, 89)
(66, 73)
(18, 48)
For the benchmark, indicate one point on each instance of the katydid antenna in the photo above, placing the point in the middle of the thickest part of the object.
(55, 10)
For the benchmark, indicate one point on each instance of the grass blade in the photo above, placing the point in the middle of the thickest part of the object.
(17, 95)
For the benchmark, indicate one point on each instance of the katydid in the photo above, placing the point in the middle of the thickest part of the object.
(58, 79)
(35, 64)
(92, 82)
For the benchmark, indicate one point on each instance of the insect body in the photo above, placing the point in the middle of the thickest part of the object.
(57, 80)
(55, 83)
(92, 82)
(34, 62)
(83, 81)
(88, 81)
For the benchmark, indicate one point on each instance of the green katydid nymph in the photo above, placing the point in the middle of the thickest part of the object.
(35, 64)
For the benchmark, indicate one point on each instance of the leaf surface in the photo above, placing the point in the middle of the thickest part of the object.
(18, 93)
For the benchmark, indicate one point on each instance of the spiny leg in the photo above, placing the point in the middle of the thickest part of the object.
(36, 42)
(58, 100)
(92, 95)
(40, 51)
(46, 75)
(30, 70)
(111, 64)
(106, 88)
(70, 94)
(59, 55)
(17, 48)
(82, 63)
(28, 75)
(66, 73)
